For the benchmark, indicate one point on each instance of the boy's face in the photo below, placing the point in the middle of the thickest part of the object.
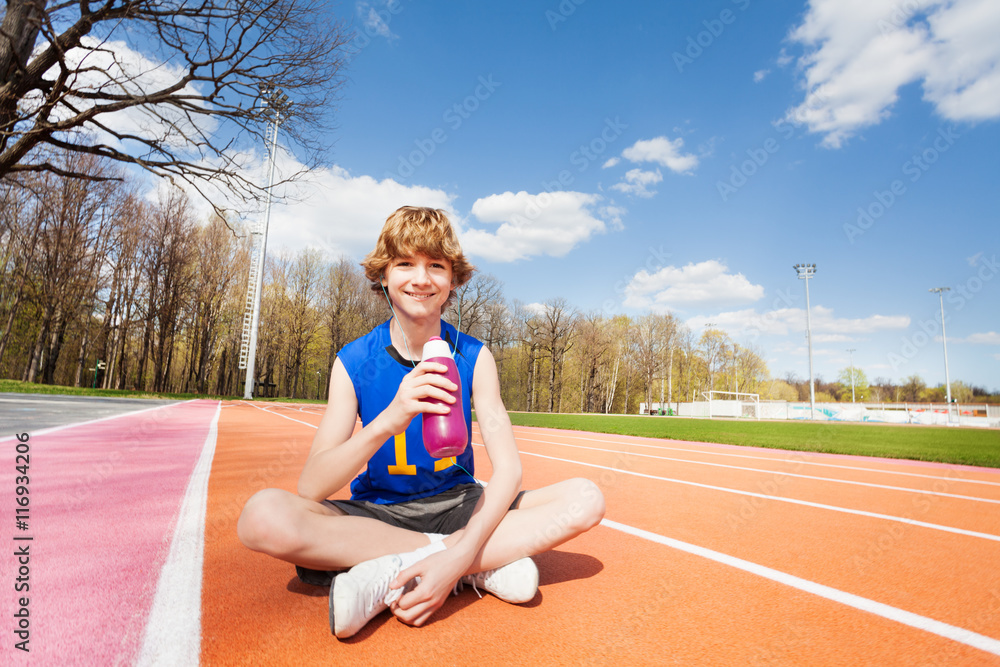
(418, 284)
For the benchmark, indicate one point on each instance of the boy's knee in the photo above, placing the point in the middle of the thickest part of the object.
(592, 500)
(258, 527)
(585, 504)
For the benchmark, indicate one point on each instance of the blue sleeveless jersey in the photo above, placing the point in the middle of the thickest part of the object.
(402, 469)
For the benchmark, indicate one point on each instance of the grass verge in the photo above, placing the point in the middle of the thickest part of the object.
(969, 446)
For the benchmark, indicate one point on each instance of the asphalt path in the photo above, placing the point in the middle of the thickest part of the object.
(30, 413)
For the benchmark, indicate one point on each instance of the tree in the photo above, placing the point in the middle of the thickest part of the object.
(72, 237)
(472, 301)
(913, 389)
(595, 344)
(860, 383)
(302, 319)
(171, 88)
(168, 264)
(556, 330)
(779, 390)
(715, 342)
(215, 252)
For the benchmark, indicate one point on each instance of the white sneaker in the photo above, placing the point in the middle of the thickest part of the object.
(362, 593)
(515, 582)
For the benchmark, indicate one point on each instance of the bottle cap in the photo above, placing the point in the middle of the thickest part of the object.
(435, 347)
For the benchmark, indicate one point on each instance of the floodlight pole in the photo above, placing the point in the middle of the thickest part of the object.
(807, 271)
(944, 339)
(852, 350)
(275, 103)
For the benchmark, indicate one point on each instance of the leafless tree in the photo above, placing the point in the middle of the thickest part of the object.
(169, 87)
(216, 254)
(340, 298)
(472, 303)
(648, 351)
(71, 242)
(20, 221)
(595, 346)
(302, 317)
(167, 264)
(556, 332)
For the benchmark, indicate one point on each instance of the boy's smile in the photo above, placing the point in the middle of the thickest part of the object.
(419, 279)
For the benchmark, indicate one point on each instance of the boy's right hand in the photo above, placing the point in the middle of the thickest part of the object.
(425, 381)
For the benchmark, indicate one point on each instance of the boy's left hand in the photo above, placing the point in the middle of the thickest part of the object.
(438, 574)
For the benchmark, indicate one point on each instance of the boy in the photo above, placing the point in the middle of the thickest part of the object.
(416, 528)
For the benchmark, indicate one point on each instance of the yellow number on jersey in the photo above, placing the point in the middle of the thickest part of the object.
(401, 467)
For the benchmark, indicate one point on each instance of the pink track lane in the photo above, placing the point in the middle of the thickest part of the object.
(104, 502)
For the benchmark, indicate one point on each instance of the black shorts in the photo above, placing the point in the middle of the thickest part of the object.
(443, 513)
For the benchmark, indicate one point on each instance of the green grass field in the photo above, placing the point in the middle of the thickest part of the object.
(971, 446)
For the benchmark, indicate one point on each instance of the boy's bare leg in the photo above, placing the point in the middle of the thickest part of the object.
(545, 518)
(317, 536)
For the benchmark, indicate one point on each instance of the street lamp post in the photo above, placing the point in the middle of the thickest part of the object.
(275, 104)
(807, 271)
(852, 351)
(944, 339)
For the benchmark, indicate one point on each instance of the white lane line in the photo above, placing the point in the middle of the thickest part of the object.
(961, 635)
(173, 629)
(950, 468)
(773, 472)
(805, 503)
(278, 414)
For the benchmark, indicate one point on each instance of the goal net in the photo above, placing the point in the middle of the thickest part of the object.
(734, 404)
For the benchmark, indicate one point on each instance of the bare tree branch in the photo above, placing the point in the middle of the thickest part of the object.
(168, 86)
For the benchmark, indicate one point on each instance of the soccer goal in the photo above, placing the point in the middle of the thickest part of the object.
(732, 404)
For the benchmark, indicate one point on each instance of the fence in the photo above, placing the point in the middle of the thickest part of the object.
(887, 413)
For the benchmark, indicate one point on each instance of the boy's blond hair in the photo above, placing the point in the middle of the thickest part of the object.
(412, 230)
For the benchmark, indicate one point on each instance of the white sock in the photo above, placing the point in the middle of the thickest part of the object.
(418, 555)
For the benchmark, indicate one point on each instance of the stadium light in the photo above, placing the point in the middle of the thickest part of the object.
(807, 271)
(852, 351)
(275, 105)
(944, 339)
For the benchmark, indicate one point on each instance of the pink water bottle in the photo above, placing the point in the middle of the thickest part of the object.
(444, 435)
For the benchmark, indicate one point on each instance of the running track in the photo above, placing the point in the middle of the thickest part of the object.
(708, 554)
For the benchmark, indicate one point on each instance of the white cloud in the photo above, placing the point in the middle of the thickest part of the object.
(989, 338)
(611, 162)
(704, 284)
(825, 326)
(613, 214)
(859, 53)
(373, 21)
(637, 182)
(760, 75)
(548, 223)
(663, 152)
(833, 338)
(343, 214)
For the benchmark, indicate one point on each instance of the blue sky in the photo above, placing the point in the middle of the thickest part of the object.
(682, 156)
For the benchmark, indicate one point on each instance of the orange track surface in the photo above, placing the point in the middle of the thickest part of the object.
(609, 597)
